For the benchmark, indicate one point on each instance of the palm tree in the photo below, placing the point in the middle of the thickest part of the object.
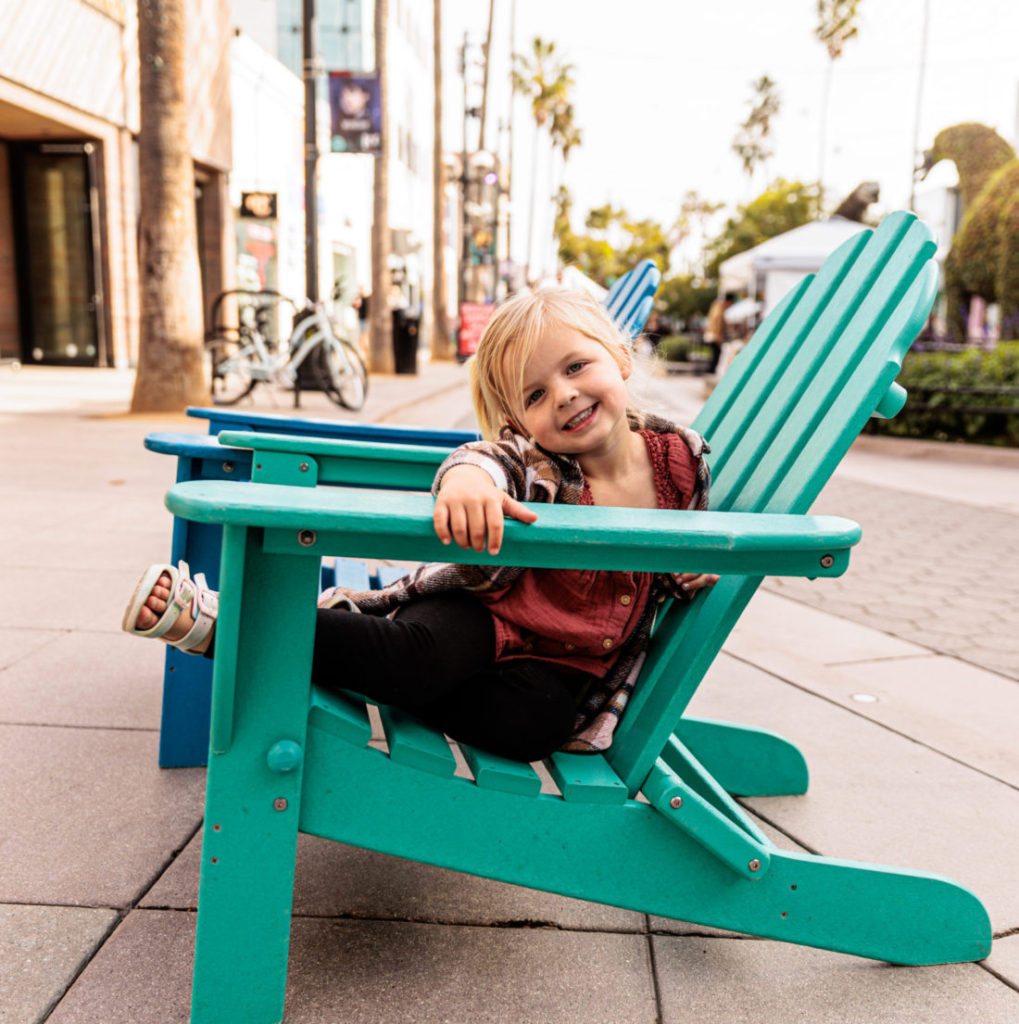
(486, 51)
(440, 345)
(751, 141)
(382, 359)
(171, 373)
(547, 83)
(836, 25)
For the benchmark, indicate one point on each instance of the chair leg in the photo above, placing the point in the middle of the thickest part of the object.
(265, 634)
(745, 760)
(187, 680)
(245, 900)
(184, 726)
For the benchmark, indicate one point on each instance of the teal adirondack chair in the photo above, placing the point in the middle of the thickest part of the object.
(286, 759)
(184, 725)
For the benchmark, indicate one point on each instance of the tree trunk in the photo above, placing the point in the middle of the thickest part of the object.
(171, 372)
(441, 347)
(486, 53)
(382, 360)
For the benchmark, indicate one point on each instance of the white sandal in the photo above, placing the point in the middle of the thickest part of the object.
(336, 597)
(185, 593)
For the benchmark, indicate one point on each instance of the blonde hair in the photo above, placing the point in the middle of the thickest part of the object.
(514, 332)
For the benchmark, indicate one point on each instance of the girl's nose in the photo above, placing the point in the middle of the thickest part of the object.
(565, 392)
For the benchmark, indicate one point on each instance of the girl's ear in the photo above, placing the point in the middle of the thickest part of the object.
(625, 362)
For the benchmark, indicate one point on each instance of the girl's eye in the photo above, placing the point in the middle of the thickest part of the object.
(574, 367)
(533, 397)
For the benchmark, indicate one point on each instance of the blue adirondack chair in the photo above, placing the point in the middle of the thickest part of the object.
(187, 681)
(285, 758)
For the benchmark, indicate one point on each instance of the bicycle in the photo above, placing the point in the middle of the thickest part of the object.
(247, 355)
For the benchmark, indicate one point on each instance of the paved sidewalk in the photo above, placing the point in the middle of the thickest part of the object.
(910, 739)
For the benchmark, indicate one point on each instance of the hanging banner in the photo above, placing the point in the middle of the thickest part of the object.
(356, 108)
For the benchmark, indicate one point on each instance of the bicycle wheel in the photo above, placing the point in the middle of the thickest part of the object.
(341, 372)
(230, 363)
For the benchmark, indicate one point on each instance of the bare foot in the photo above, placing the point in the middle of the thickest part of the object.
(155, 605)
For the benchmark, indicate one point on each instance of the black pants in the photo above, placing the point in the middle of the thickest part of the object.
(436, 660)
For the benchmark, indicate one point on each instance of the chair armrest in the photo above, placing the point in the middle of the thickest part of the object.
(193, 446)
(370, 523)
(280, 458)
(220, 419)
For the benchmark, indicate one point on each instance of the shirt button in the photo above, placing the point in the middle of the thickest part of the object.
(607, 642)
(625, 599)
(569, 647)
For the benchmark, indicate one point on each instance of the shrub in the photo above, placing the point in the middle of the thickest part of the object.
(673, 348)
(959, 393)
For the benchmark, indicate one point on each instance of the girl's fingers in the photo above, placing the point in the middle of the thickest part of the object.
(440, 521)
(697, 581)
(478, 524)
(517, 510)
(494, 520)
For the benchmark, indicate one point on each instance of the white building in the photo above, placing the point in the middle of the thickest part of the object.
(268, 103)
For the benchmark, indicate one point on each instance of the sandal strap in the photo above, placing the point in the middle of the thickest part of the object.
(204, 608)
(181, 598)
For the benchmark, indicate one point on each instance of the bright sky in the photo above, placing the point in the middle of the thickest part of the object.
(662, 85)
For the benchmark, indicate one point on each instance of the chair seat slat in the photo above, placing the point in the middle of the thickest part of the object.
(413, 743)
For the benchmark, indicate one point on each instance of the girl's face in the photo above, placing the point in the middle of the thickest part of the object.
(574, 397)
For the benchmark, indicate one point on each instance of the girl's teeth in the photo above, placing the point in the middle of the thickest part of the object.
(578, 419)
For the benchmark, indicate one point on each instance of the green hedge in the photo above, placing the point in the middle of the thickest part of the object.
(938, 380)
(679, 348)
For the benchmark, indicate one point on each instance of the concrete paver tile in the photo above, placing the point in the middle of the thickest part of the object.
(947, 703)
(41, 949)
(124, 547)
(943, 702)
(1004, 959)
(89, 819)
(337, 880)
(33, 598)
(876, 796)
(16, 643)
(783, 624)
(84, 684)
(755, 982)
(363, 972)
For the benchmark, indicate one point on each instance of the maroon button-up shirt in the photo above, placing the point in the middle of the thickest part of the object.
(579, 617)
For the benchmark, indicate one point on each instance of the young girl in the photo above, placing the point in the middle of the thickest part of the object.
(520, 662)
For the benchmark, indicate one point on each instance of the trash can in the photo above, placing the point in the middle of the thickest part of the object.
(406, 327)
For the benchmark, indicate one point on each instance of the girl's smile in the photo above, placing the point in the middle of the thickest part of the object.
(582, 419)
(574, 396)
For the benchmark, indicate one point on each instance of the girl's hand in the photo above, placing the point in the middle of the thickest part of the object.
(691, 582)
(469, 508)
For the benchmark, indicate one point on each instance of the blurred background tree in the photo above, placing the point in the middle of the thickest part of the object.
(171, 356)
(614, 243)
(784, 205)
(751, 143)
(835, 26)
(546, 82)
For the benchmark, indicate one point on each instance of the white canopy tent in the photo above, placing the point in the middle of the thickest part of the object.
(772, 268)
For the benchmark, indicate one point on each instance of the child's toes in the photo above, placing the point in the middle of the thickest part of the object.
(146, 618)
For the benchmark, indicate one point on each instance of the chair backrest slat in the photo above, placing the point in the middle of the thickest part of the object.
(779, 422)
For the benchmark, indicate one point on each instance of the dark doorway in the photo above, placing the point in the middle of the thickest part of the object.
(60, 306)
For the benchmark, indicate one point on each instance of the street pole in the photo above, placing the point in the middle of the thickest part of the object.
(465, 250)
(919, 103)
(310, 68)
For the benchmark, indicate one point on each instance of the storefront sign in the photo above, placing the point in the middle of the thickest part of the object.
(356, 109)
(474, 317)
(258, 204)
